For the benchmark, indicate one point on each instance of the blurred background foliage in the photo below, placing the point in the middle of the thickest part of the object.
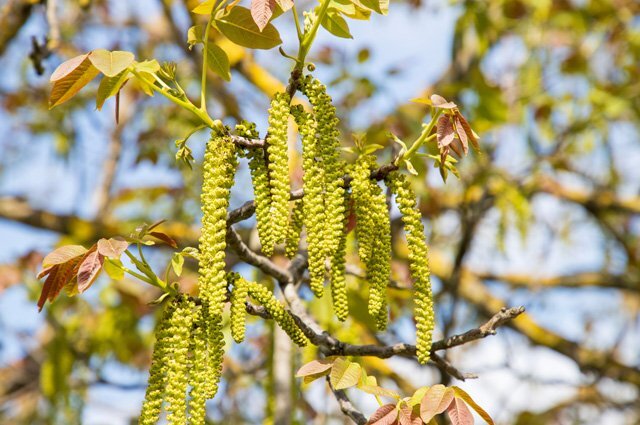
(547, 216)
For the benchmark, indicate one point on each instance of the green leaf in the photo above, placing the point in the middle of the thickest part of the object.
(148, 66)
(351, 10)
(417, 397)
(344, 374)
(70, 77)
(111, 63)
(113, 268)
(435, 401)
(177, 261)
(335, 24)
(239, 27)
(373, 5)
(218, 61)
(205, 8)
(110, 86)
(471, 402)
(195, 35)
(410, 167)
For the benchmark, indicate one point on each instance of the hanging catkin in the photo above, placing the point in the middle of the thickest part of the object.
(239, 295)
(314, 207)
(327, 135)
(295, 227)
(363, 201)
(177, 361)
(418, 262)
(275, 308)
(218, 173)
(338, 281)
(379, 265)
(277, 148)
(198, 369)
(154, 394)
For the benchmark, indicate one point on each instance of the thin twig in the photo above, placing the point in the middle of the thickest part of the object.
(346, 406)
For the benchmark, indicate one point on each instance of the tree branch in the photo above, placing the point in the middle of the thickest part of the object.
(346, 406)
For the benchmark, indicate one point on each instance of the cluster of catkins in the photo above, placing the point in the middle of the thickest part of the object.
(187, 358)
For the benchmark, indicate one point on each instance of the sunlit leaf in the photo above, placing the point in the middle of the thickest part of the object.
(164, 238)
(218, 62)
(239, 27)
(440, 102)
(335, 24)
(435, 401)
(112, 248)
(110, 86)
(459, 413)
(89, 269)
(408, 416)
(344, 373)
(205, 8)
(372, 4)
(316, 366)
(385, 415)
(69, 78)
(195, 35)
(111, 63)
(62, 255)
(113, 268)
(177, 262)
(471, 402)
(261, 11)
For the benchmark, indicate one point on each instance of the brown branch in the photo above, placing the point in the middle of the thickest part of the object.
(346, 406)
(13, 16)
(451, 370)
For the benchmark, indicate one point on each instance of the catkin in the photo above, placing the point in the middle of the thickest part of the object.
(418, 262)
(275, 308)
(238, 307)
(198, 369)
(176, 362)
(379, 265)
(295, 227)
(215, 343)
(327, 135)
(154, 395)
(338, 281)
(277, 148)
(363, 200)
(314, 207)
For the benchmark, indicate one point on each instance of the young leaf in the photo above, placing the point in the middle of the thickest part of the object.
(344, 374)
(471, 402)
(459, 413)
(373, 5)
(261, 11)
(111, 63)
(205, 8)
(62, 255)
(164, 238)
(379, 391)
(285, 4)
(316, 366)
(109, 86)
(195, 35)
(239, 27)
(218, 61)
(148, 66)
(440, 102)
(407, 415)
(69, 78)
(435, 401)
(335, 24)
(385, 415)
(112, 248)
(177, 261)
(351, 10)
(113, 268)
(89, 269)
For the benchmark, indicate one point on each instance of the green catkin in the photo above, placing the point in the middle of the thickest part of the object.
(379, 265)
(329, 143)
(419, 263)
(294, 230)
(277, 148)
(261, 189)
(338, 280)
(314, 207)
(198, 369)
(238, 308)
(177, 362)
(218, 174)
(363, 200)
(154, 394)
(275, 308)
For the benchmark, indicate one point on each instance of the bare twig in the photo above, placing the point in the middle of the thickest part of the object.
(346, 406)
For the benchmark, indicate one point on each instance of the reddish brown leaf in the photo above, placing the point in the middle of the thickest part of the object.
(385, 415)
(156, 224)
(316, 366)
(462, 135)
(9, 276)
(69, 78)
(89, 269)
(459, 413)
(472, 136)
(435, 401)
(112, 248)
(165, 238)
(62, 255)
(440, 102)
(444, 129)
(261, 12)
(471, 402)
(67, 67)
(59, 276)
(407, 416)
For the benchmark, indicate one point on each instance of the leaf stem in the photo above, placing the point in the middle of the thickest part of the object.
(424, 136)
(309, 36)
(205, 66)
